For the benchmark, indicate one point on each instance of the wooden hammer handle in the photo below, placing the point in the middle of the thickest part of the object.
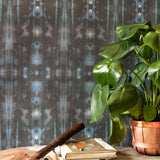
(59, 140)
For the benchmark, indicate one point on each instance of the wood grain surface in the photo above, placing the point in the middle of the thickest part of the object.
(123, 153)
(10, 153)
(128, 153)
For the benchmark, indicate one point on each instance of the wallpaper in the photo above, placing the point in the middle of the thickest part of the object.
(47, 52)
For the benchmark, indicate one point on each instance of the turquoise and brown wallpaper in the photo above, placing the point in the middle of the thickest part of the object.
(47, 52)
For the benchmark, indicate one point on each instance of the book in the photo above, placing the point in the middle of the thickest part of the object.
(86, 148)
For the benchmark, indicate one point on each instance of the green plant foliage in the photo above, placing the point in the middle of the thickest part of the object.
(152, 39)
(125, 32)
(136, 111)
(107, 72)
(149, 113)
(134, 90)
(156, 27)
(153, 72)
(117, 130)
(122, 99)
(138, 74)
(147, 52)
(98, 102)
(123, 80)
(117, 50)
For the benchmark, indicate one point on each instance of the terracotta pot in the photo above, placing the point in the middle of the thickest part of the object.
(146, 137)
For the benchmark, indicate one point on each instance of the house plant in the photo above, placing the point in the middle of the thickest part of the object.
(122, 89)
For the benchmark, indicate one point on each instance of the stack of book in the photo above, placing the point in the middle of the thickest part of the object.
(86, 149)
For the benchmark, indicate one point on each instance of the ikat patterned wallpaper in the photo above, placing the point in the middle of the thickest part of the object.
(47, 52)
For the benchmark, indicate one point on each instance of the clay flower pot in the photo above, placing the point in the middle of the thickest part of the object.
(146, 137)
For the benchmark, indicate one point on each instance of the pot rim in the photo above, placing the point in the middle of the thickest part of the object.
(144, 124)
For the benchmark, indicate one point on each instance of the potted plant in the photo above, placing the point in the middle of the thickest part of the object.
(134, 90)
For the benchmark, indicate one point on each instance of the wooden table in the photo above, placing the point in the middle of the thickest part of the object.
(8, 154)
(123, 153)
(128, 153)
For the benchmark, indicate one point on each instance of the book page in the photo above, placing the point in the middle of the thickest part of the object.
(88, 145)
(104, 144)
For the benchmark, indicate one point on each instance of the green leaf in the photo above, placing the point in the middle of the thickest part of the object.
(139, 73)
(126, 112)
(122, 99)
(147, 52)
(117, 50)
(108, 72)
(98, 101)
(122, 81)
(125, 32)
(158, 101)
(152, 70)
(156, 27)
(117, 130)
(149, 113)
(136, 110)
(152, 39)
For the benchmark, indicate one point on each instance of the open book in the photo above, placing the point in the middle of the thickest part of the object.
(86, 148)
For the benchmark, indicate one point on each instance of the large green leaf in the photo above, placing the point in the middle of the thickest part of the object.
(117, 130)
(139, 73)
(122, 99)
(152, 70)
(149, 113)
(117, 50)
(123, 80)
(136, 111)
(98, 101)
(156, 27)
(157, 102)
(152, 39)
(125, 32)
(147, 52)
(108, 72)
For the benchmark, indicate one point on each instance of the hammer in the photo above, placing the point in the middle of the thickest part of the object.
(58, 141)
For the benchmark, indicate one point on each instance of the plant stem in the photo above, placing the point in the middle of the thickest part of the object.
(147, 99)
(154, 95)
(138, 53)
(142, 84)
(155, 88)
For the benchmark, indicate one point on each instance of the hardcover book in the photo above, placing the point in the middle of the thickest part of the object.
(86, 148)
